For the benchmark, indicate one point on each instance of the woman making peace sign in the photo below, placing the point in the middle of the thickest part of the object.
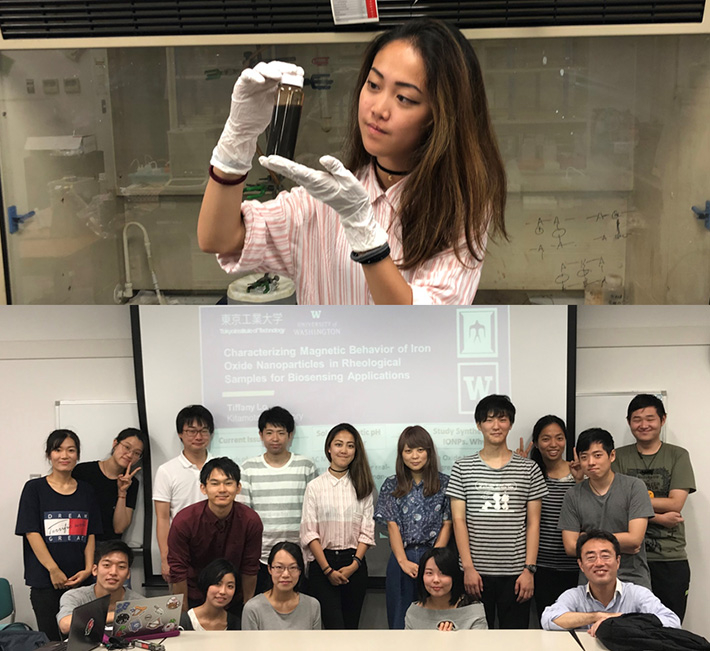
(556, 572)
(114, 482)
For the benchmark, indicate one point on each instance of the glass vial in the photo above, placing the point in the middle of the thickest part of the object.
(283, 130)
(613, 290)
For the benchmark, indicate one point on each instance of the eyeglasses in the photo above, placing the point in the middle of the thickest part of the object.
(592, 557)
(192, 433)
(291, 569)
(135, 453)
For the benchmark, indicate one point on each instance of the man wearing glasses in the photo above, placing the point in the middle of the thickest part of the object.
(587, 606)
(115, 483)
(177, 482)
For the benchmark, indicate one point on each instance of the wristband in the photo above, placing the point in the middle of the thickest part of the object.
(357, 560)
(373, 255)
(327, 570)
(222, 181)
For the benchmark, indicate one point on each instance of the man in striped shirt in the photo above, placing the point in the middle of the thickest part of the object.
(273, 484)
(495, 505)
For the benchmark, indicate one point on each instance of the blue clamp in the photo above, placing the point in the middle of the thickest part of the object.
(14, 220)
(703, 214)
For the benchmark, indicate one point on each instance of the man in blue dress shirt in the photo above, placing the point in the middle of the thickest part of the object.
(586, 606)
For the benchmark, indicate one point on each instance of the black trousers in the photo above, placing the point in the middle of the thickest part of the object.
(550, 584)
(45, 603)
(340, 605)
(499, 599)
(670, 581)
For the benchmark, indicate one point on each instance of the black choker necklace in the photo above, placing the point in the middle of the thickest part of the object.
(334, 470)
(390, 173)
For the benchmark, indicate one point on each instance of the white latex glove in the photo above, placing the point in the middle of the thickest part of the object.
(338, 188)
(252, 106)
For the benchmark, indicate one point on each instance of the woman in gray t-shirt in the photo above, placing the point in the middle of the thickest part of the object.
(282, 607)
(442, 603)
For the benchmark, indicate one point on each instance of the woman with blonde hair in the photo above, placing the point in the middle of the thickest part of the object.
(414, 507)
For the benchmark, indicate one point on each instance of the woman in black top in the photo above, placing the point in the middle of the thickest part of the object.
(218, 582)
(58, 518)
(114, 482)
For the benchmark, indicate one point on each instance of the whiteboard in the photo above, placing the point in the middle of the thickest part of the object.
(97, 422)
(608, 410)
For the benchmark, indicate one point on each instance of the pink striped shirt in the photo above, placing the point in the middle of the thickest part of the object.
(300, 237)
(333, 514)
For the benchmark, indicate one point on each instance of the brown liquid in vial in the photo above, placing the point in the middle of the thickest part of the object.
(284, 130)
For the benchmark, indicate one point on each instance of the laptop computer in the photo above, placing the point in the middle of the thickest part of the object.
(147, 618)
(87, 627)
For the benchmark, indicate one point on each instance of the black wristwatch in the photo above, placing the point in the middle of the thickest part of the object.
(531, 568)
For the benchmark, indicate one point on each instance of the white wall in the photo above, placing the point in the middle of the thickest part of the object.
(667, 348)
(49, 354)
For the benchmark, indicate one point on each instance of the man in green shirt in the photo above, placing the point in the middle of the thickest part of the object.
(668, 474)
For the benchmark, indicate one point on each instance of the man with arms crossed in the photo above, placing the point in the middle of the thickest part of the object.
(273, 484)
(217, 527)
(112, 567)
(177, 482)
(495, 507)
(608, 501)
(666, 471)
(587, 606)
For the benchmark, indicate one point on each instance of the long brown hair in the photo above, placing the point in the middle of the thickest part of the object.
(458, 184)
(416, 436)
(360, 473)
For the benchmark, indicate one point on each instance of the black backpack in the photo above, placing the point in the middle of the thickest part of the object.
(14, 638)
(642, 632)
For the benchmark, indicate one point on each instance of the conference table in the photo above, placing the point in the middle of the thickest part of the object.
(590, 643)
(377, 640)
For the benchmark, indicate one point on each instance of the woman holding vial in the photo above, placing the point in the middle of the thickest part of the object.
(337, 529)
(414, 507)
(406, 219)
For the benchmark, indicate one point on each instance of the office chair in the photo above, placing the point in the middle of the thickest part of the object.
(7, 607)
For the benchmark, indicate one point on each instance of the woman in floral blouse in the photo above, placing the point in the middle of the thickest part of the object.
(414, 506)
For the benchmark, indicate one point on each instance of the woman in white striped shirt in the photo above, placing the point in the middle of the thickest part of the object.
(411, 224)
(337, 529)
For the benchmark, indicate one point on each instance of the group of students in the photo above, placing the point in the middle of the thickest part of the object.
(62, 515)
(274, 529)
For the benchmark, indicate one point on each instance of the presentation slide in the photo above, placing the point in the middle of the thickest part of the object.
(341, 364)
(378, 368)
